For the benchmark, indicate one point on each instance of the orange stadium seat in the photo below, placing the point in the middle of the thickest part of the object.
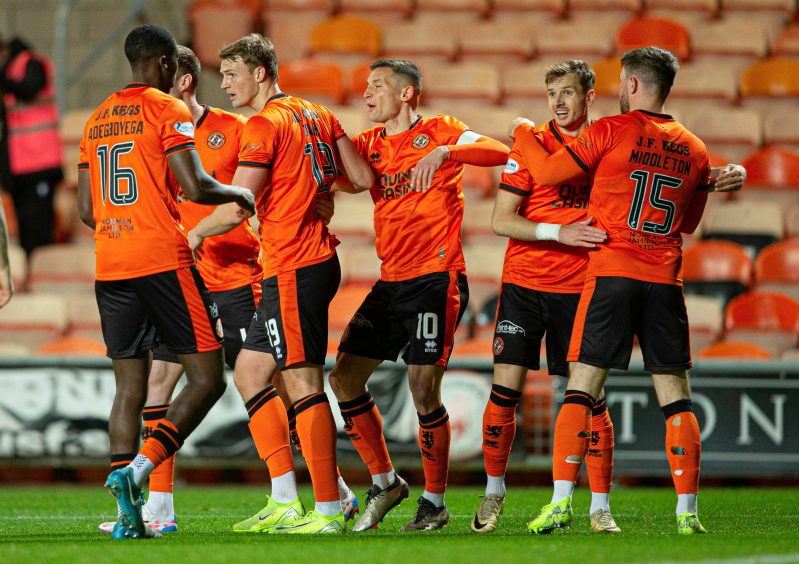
(705, 320)
(607, 77)
(67, 268)
(472, 81)
(33, 319)
(721, 269)
(772, 168)
(774, 77)
(735, 349)
(72, 345)
(84, 317)
(717, 159)
(422, 42)
(752, 224)
(358, 77)
(346, 34)
(314, 80)
(777, 269)
(217, 22)
(646, 31)
(765, 319)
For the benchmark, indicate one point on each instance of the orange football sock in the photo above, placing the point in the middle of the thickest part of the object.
(269, 427)
(683, 447)
(364, 427)
(164, 441)
(572, 432)
(317, 431)
(434, 440)
(499, 428)
(599, 458)
(163, 477)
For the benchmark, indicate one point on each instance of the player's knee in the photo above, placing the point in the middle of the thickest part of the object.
(426, 396)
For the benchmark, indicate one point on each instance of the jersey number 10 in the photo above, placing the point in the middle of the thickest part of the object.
(112, 175)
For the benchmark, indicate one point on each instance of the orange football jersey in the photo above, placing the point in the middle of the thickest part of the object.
(296, 140)
(124, 148)
(650, 174)
(417, 233)
(229, 260)
(546, 266)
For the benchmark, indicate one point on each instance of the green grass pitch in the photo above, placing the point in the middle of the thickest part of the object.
(59, 524)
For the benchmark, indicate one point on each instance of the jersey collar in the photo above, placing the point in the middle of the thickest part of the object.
(206, 110)
(655, 114)
(278, 95)
(136, 85)
(411, 126)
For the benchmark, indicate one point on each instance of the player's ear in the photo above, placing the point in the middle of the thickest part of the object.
(589, 97)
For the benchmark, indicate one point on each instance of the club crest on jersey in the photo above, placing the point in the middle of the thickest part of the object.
(185, 127)
(421, 141)
(511, 167)
(216, 140)
(498, 346)
(509, 328)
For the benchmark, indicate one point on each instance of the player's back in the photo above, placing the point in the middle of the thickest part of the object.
(547, 266)
(296, 140)
(417, 233)
(231, 258)
(125, 147)
(648, 172)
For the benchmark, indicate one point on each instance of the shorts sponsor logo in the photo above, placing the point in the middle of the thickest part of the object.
(430, 346)
(216, 140)
(278, 352)
(359, 320)
(509, 328)
(498, 347)
(185, 127)
(219, 331)
(511, 167)
(421, 141)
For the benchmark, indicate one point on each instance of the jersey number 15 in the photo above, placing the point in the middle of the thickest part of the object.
(656, 201)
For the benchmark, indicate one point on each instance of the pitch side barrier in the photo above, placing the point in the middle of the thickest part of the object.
(55, 411)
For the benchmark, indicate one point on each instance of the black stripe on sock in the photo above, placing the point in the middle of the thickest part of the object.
(260, 399)
(309, 401)
(578, 397)
(121, 460)
(600, 407)
(676, 407)
(358, 406)
(434, 419)
(171, 440)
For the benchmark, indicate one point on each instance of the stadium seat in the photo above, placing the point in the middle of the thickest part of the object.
(786, 43)
(631, 6)
(72, 345)
(378, 11)
(354, 217)
(477, 218)
(457, 10)
(67, 268)
(289, 24)
(752, 224)
(720, 269)
(582, 38)
(18, 261)
(777, 269)
(705, 320)
(480, 181)
(314, 80)
(515, 7)
(422, 42)
(521, 84)
(495, 42)
(217, 22)
(358, 77)
(353, 118)
(15, 350)
(607, 77)
(781, 129)
(766, 319)
(730, 38)
(792, 221)
(736, 132)
(491, 121)
(360, 263)
(33, 319)
(346, 34)
(735, 349)
(484, 264)
(704, 80)
(72, 124)
(687, 12)
(774, 77)
(646, 31)
(785, 6)
(471, 81)
(84, 317)
(772, 168)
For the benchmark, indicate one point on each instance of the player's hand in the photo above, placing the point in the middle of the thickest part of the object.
(246, 200)
(581, 234)
(195, 243)
(422, 174)
(325, 207)
(731, 178)
(6, 288)
(516, 123)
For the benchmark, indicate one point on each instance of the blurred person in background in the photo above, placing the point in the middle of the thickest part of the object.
(30, 146)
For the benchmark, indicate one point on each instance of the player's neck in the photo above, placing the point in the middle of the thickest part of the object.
(402, 122)
(648, 105)
(265, 92)
(196, 109)
(576, 131)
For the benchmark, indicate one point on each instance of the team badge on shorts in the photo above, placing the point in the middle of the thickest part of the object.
(498, 347)
(216, 140)
(420, 141)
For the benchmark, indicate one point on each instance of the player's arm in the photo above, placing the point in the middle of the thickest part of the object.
(694, 211)
(506, 222)
(6, 282)
(547, 168)
(85, 206)
(729, 178)
(201, 188)
(471, 148)
(358, 176)
(228, 216)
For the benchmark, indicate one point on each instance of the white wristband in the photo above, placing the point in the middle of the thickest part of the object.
(547, 231)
